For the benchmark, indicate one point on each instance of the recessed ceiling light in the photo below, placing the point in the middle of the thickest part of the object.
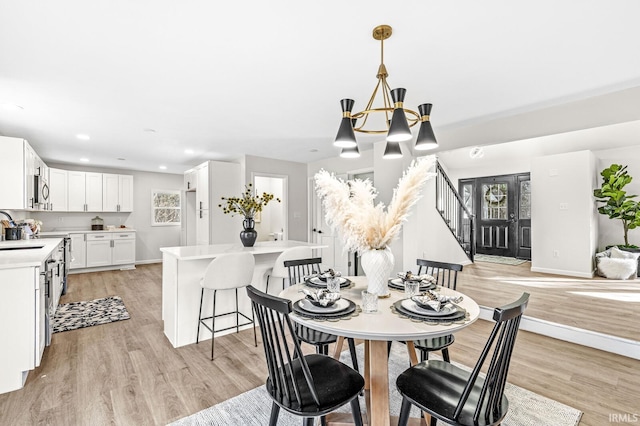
(121, 159)
(84, 159)
(313, 150)
(12, 107)
(188, 151)
(476, 152)
(162, 167)
(149, 130)
(83, 137)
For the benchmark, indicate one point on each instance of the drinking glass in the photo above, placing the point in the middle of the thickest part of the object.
(369, 301)
(411, 288)
(333, 285)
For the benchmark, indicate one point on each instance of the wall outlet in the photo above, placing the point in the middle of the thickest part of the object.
(556, 253)
(564, 206)
(61, 219)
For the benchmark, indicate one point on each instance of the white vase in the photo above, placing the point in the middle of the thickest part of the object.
(377, 266)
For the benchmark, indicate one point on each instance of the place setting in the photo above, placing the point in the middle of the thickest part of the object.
(424, 281)
(326, 278)
(431, 307)
(324, 305)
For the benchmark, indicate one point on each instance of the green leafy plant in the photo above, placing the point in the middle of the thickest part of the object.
(617, 204)
(247, 204)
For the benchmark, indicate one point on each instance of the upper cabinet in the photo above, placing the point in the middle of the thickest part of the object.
(190, 179)
(58, 190)
(17, 174)
(84, 191)
(117, 193)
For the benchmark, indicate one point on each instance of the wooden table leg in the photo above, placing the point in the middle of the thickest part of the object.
(338, 349)
(379, 383)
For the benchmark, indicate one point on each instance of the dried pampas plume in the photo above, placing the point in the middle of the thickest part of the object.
(350, 207)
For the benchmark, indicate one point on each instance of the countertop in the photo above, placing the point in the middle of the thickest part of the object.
(24, 258)
(80, 231)
(209, 252)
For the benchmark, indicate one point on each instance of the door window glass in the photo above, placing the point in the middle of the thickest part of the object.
(494, 201)
(525, 199)
(467, 197)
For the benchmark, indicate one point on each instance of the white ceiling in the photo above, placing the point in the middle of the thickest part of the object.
(265, 77)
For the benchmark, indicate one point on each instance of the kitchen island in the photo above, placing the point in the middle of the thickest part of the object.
(182, 269)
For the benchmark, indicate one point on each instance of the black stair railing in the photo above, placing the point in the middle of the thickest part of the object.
(455, 214)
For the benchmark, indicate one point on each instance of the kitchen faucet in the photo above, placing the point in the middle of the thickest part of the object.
(7, 215)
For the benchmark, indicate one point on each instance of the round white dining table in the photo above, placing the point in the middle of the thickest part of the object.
(376, 329)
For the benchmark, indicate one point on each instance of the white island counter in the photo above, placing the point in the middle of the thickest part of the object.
(182, 269)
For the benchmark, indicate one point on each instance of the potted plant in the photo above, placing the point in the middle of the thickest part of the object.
(617, 204)
(248, 205)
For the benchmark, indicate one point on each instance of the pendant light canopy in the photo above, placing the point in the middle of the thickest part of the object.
(398, 119)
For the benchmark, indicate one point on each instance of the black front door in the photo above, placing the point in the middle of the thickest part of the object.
(501, 205)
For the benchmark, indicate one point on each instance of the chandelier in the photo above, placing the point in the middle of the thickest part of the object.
(393, 119)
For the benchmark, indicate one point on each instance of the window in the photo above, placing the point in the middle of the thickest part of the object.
(165, 207)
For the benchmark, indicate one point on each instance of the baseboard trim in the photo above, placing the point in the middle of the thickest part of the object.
(562, 272)
(148, 262)
(593, 339)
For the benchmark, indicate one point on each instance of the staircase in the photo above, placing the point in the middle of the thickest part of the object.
(455, 214)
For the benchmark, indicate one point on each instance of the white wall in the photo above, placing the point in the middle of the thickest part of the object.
(564, 239)
(297, 190)
(149, 239)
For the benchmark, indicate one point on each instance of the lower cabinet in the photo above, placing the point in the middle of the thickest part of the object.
(103, 249)
(78, 251)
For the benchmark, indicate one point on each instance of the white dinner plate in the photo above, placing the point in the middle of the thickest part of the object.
(318, 281)
(411, 306)
(340, 305)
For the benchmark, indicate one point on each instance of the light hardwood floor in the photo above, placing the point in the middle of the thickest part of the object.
(127, 373)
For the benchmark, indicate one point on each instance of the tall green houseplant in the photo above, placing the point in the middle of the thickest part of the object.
(617, 204)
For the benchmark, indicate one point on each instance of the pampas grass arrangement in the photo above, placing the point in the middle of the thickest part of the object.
(351, 210)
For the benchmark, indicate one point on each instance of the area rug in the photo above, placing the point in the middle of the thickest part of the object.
(71, 316)
(252, 408)
(498, 259)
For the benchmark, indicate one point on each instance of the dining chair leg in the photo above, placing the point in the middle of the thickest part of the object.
(352, 350)
(405, 409)
(275, 410)
(445, 355)
(266, 289)
(199, 316)
(355, 410)
(323, 421)
(213, 323)
(253, 320)
(424, 355)
(308, 421)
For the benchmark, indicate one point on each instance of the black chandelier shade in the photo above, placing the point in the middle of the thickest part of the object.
(346, 138)
(352, 151)
(399, 128)
(392, 150)
(426, 138)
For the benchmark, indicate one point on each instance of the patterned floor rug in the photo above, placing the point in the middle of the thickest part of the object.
(526, 408)
(71, 316)
(498, 259)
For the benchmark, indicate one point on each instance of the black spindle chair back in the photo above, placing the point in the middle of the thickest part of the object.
(300, 268)
(446, 274)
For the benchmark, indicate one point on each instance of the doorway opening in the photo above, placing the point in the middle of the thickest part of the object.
(354, 263)
(502, 208)
(271, 223)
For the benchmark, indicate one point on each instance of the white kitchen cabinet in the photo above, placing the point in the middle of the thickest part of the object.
(190, 180)
(202, 191)
(98, 249)
(117, 193)
(123, 248)
(203, 226)
(78, 251)
(84, 191)
(57, 190)
(16, 174)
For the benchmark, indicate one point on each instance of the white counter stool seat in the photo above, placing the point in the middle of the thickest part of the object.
(229, 271)
(279, 271)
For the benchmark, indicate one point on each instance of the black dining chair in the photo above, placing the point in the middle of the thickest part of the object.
(446, 275)
(306, 385)
(460, 397)
(298, 269)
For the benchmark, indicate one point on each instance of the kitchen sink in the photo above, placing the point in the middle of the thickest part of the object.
(21, 248)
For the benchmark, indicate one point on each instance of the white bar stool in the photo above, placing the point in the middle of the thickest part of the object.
(226, 272)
